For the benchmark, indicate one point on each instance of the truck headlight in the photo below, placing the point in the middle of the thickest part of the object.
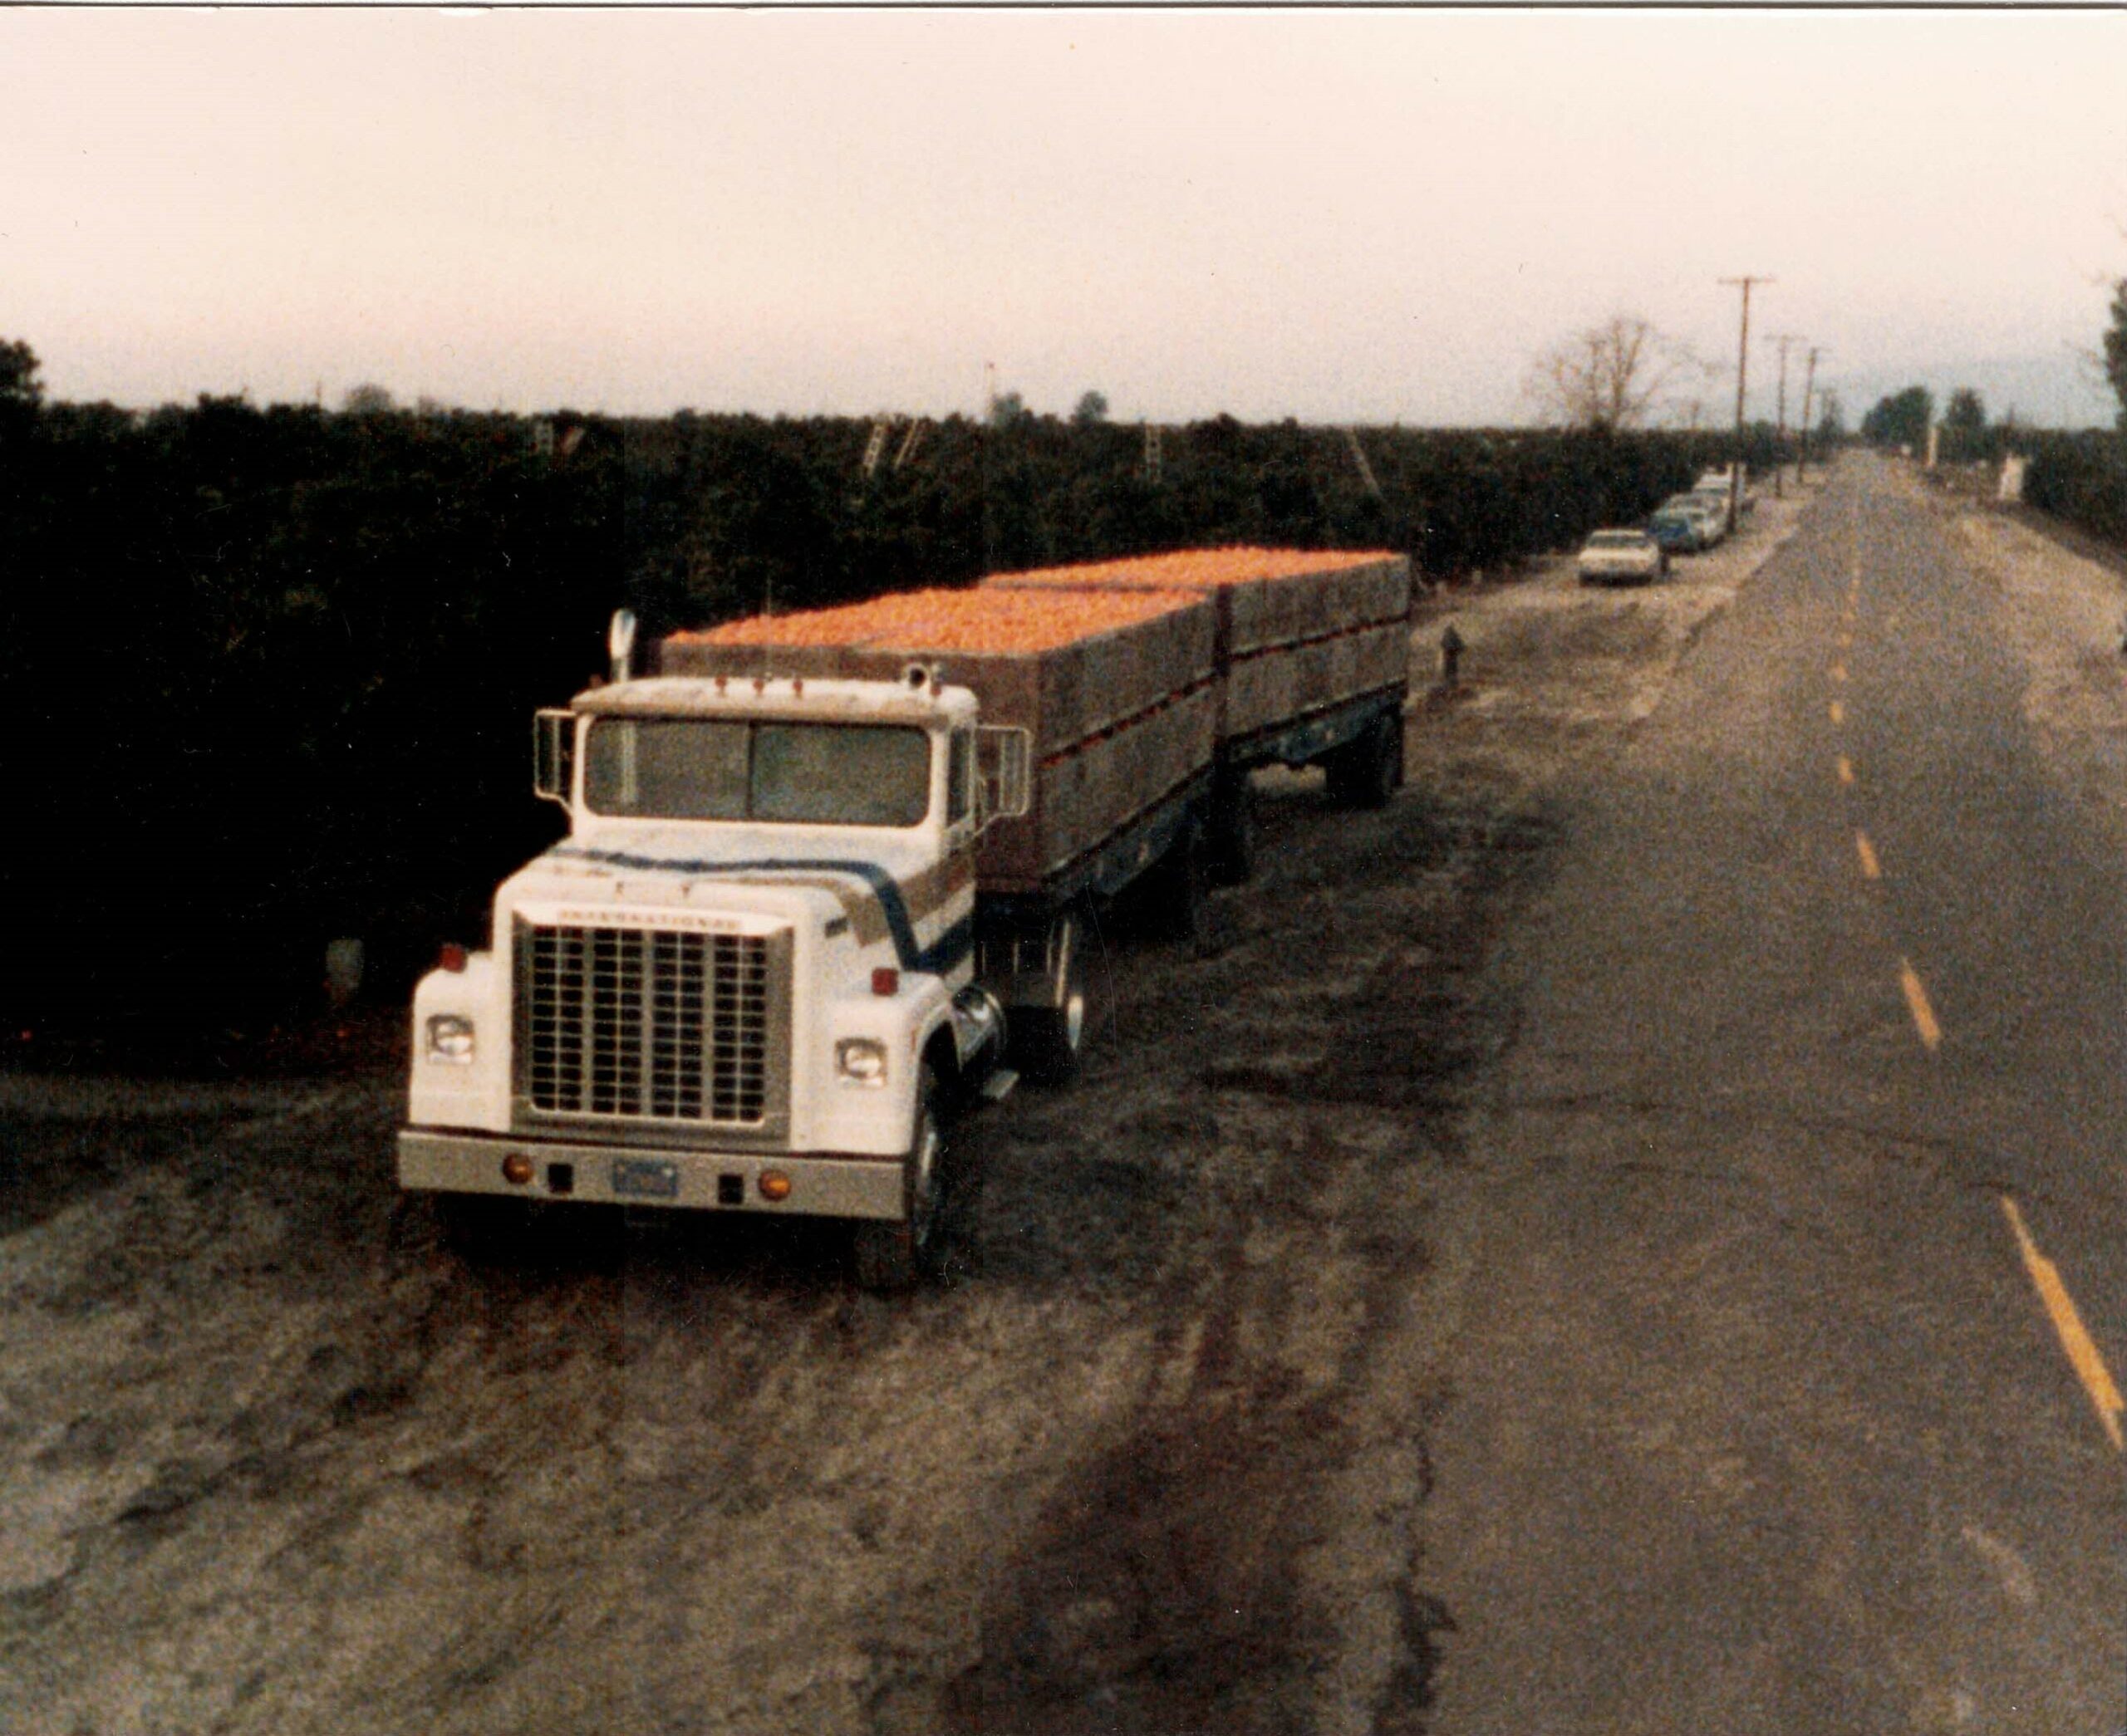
(450, 1038)
(860, 1061)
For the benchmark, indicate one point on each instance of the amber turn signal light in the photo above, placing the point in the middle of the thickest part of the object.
(774, 1184)
(516, 1169)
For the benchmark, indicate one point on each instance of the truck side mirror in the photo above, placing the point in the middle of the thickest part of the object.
(1002, 780)
(553, 756)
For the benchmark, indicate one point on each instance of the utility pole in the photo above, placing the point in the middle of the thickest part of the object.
(1802, 451)
(1742, 371)
(1780, 465)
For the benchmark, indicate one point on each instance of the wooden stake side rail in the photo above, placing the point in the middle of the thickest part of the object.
(1291, 640)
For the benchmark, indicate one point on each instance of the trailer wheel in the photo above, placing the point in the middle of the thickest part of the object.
(1367, 770)
(895, 1256)
(1185, 890)
(1237, 836)
(1046, 1041)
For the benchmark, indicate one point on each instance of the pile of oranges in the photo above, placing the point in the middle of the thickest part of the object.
(1015, 613)
(1194, 568)
(971, 622)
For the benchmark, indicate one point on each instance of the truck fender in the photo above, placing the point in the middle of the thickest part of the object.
(937, 1047)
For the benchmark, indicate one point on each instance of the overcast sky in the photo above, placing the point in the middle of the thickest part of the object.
(1345, 216)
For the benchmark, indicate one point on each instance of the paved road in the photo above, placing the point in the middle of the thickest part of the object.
(1781, 1402)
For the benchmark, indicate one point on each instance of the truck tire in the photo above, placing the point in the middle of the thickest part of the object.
(1236, 834)
(1046, 1041)
(1368, 770)
(898, 1256)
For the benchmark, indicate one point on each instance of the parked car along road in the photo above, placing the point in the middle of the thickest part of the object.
(1716, 481)
(1715, 501)
(1711, 520)
(1613, 557)
(1677, 532)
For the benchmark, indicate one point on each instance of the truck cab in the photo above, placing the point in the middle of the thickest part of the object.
(744, 980)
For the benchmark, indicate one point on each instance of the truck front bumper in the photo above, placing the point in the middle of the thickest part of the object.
(820, 1187)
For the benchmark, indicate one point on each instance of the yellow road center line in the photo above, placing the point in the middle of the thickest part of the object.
(1838, 712)
(1845, 769)
(1846, 641)
(1871, 868)
(1839, 673)
(1924, 1014)
(2068, 1325)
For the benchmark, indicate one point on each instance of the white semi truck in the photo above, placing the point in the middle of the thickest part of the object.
(827, 875)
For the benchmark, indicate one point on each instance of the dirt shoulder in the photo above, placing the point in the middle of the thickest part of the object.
(2068, 622)
(1552, 669)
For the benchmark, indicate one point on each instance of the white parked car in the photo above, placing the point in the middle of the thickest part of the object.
(1614, 557)
(1711, 520)
(1714, 503)
(1716, 481)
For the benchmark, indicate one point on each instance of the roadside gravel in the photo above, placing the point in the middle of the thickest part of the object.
(2069, 624)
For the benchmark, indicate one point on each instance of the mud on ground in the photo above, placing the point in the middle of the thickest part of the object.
(276, 1458)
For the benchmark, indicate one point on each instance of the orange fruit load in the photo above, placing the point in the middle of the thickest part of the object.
(1018, 613)
(1000, 622)
(1196, 569)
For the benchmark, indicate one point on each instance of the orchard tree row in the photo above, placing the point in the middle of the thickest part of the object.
(273, 667)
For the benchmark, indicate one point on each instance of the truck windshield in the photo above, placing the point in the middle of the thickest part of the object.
(816, 774)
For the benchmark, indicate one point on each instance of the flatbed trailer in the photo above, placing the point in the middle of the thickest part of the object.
(1311, 656)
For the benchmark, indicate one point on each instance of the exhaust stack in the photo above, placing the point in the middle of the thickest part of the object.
(620, 644)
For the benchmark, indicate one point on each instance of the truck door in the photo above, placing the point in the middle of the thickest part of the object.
(962, 828)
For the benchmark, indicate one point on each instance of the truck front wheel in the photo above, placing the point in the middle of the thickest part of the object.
(895, 1256)
(1046, 1039)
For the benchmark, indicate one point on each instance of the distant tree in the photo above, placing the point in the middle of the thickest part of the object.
(1091, 411)
(2116, 349)
(1964, 424)
(1901, 419)
(1008, 408)
(19, 389)
(367, 399)
(1609, 376)
(1832, 424)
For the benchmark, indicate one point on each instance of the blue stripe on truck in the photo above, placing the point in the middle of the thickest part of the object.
(941, 955)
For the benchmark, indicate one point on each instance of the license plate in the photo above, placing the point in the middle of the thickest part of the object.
(644, 1178)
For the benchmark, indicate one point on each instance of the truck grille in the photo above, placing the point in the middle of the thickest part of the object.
(648, 1023)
